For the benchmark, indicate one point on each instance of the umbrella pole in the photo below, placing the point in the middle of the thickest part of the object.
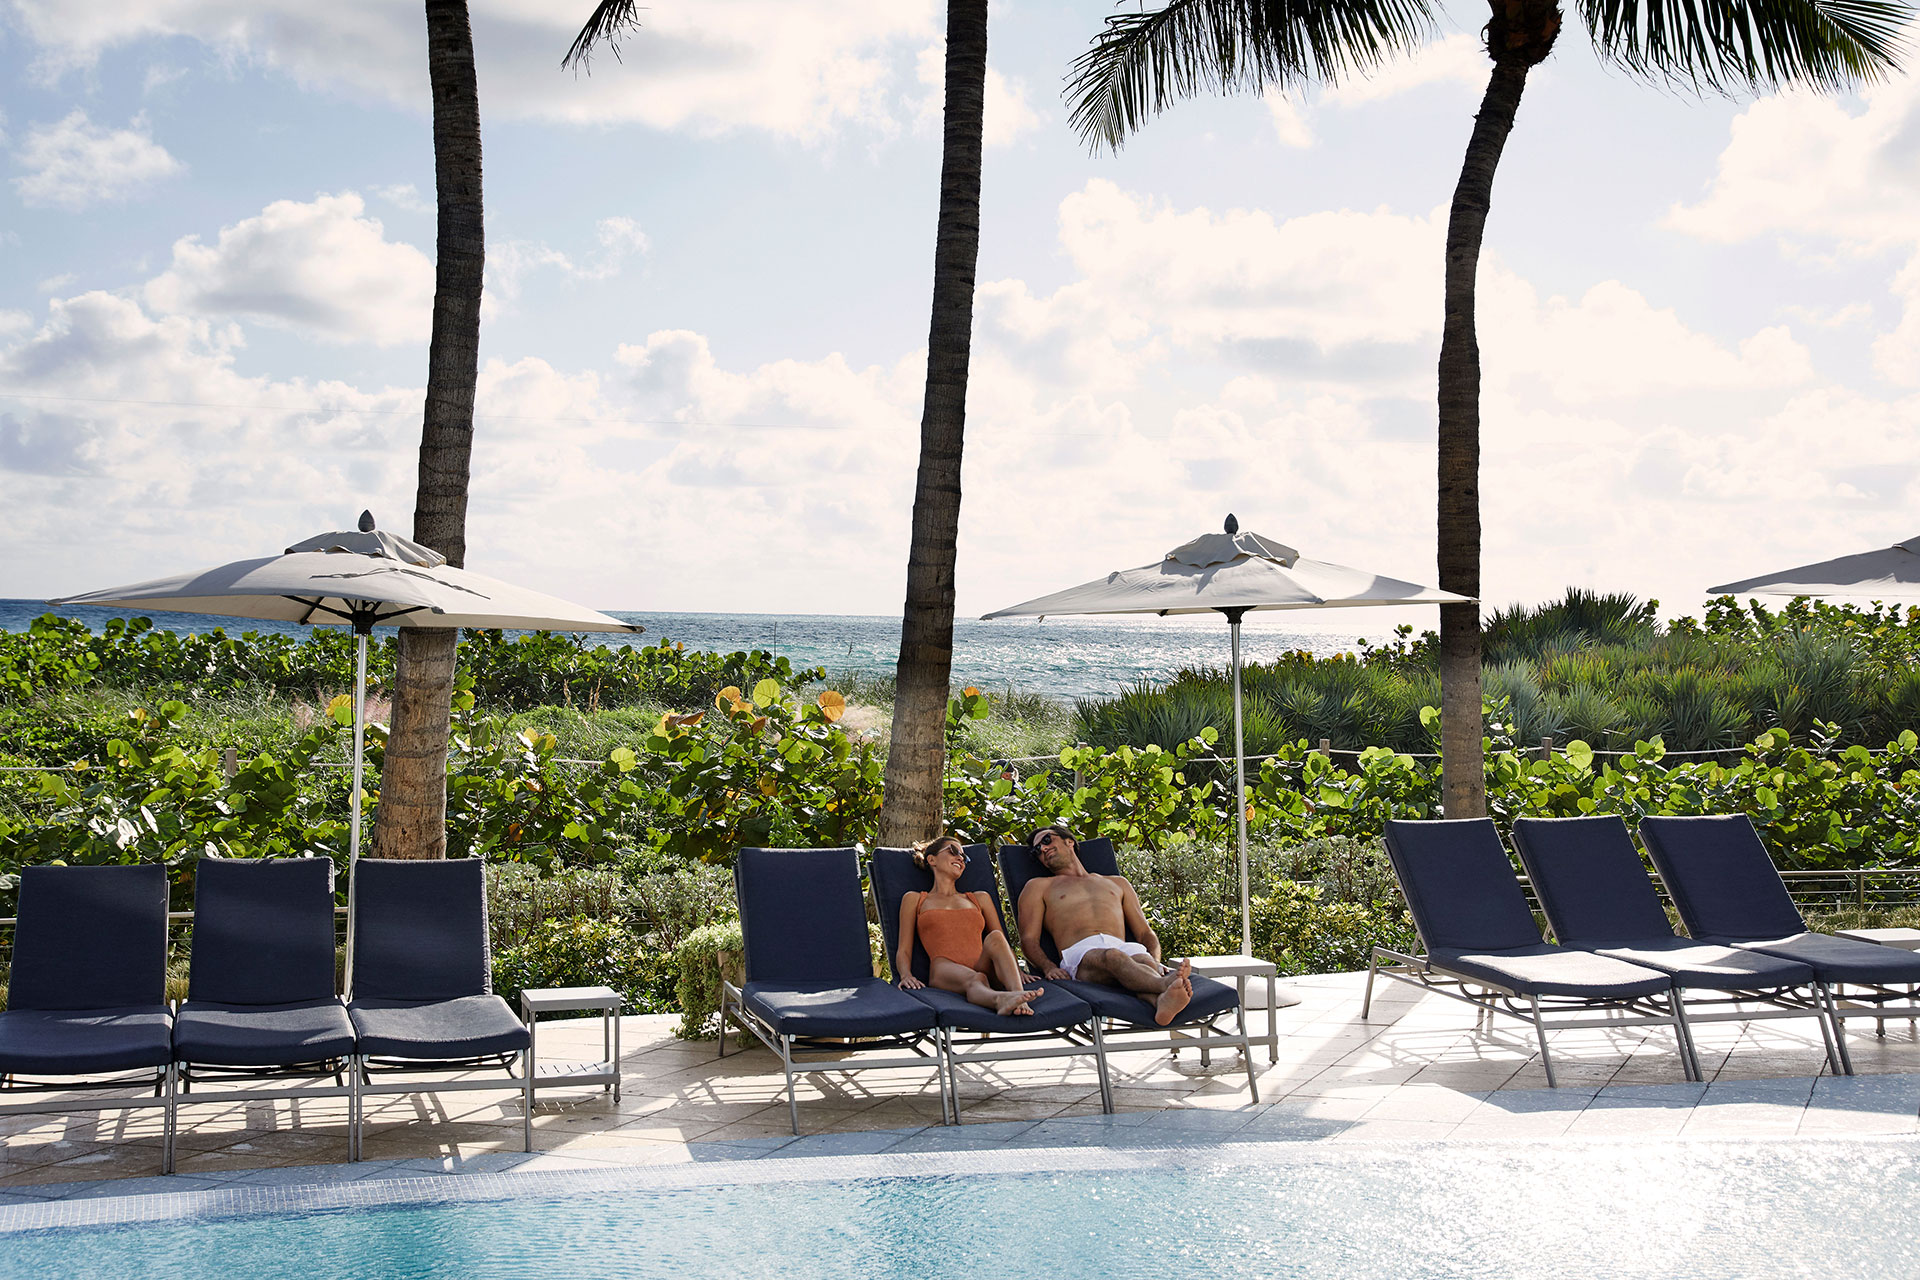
(359, 763)
(359, 739)
(1240, 788)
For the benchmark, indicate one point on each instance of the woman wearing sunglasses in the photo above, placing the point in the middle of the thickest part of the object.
(967, 952)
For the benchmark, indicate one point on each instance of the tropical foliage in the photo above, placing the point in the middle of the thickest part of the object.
(1596, 668)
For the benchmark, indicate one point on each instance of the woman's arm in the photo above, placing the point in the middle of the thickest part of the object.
(903, 962)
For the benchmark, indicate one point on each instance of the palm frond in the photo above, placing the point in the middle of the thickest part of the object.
(610, 20)
(1143, 62)
(1752, 45)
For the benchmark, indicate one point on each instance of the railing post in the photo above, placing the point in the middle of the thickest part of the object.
(1860, 882)
(1546, 747)
(1078, 746)
(230, 762)
(1326, 747)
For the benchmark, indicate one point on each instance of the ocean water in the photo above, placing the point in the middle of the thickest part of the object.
(1757, 1211)
(1059, 657)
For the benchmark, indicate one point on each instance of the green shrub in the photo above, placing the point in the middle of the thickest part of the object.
(578, 952)
(697, 964)
(1296, 927)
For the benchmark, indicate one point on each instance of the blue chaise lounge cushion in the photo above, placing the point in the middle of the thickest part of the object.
(262, 1035)
(84, 1042)
(437, 1031)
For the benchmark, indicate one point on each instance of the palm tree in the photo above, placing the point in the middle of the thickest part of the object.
(916, 757)
(412, 819)
(1143, 62)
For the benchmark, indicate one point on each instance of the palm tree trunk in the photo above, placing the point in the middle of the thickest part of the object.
(1463, 767)
(917, 754)
(412, 821)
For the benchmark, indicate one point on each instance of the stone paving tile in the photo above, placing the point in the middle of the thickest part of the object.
(1428, 1103)
(846, 1144)
(142, 1187)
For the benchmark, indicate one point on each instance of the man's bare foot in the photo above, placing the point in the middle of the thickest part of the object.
(1178, 994)
(1015, 1003)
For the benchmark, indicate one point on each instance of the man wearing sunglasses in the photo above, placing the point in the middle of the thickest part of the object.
(1090, 917)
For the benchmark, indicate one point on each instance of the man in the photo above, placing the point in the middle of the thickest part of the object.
(1090, 917)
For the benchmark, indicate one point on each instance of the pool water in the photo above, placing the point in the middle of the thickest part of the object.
(1409, 1211)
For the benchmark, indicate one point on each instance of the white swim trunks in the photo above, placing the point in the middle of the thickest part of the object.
(1070, 958)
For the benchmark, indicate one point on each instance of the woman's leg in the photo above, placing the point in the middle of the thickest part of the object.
(996, 958)
(971, 983)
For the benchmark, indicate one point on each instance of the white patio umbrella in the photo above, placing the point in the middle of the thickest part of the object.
(1888, 573)
(1231, 573)
(362, 579)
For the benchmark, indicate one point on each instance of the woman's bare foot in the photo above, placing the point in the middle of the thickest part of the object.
(1177, 995)
(1014, 1003)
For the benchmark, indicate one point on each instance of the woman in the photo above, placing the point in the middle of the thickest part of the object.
(967, 953)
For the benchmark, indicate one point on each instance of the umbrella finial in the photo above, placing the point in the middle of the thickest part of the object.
(366, 521)
(1233, 525)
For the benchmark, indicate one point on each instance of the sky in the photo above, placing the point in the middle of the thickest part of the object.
(709, 267)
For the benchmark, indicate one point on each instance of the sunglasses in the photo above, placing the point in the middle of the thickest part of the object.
(1046, 838)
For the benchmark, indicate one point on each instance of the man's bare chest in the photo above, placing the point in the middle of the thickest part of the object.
(1083, 893)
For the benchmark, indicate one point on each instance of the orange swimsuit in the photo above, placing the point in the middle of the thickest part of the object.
(954, 933)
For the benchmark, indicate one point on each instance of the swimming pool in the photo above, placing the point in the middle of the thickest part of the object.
(1791, 1208)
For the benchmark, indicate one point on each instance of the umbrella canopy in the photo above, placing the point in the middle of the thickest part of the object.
(1233, 570)
(361, 579)
(1231, 573)
(1886, 574)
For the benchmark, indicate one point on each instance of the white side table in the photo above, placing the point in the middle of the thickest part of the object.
(1238, 969)
(606, 1072)
(1906, 939)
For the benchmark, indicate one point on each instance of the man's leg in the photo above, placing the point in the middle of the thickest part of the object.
(1169, 990)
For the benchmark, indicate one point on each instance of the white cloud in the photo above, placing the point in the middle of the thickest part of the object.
(403, 196)
(1289, 120)
(160, 75)
(509, 263)
(1821, 179)
(1806, 169)
(790, 68)
(1458, 61)
(74, 163)
(320, 267)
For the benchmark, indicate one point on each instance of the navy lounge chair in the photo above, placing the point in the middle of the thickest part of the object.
(1058, 1017)
(1483, 948)
(420, 986)
(809, 985)
(1129, 1023)
(262, 1000)
(1728, 891)
(87, 999)
(1597, 896)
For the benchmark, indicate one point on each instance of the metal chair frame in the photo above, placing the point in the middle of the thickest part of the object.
(1543, 1013)
(788, 1047)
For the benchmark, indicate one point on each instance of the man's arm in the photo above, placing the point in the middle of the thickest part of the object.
(1030, 913)
(1137, 919)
